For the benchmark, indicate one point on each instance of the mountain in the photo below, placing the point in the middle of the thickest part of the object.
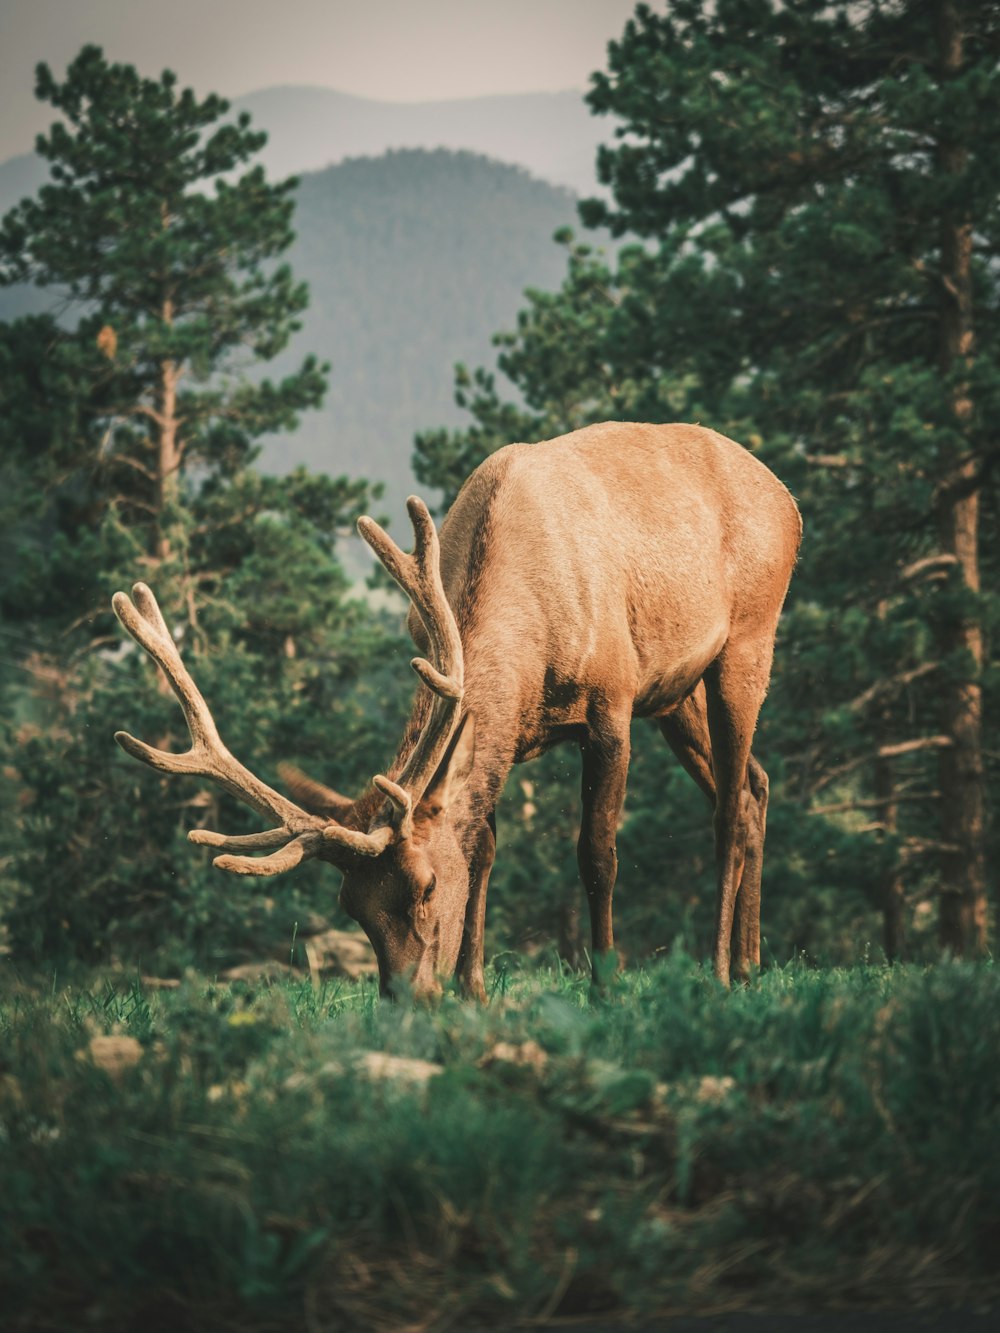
(413, 260)
(552, 135)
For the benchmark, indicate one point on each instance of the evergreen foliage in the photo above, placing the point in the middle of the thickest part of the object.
(171, 281)
(808, 297)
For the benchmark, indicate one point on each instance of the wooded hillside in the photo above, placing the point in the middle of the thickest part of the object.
(413, 260)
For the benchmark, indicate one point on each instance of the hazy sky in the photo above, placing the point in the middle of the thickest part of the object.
(395, 50)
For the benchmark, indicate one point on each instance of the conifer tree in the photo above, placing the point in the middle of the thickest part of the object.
(130, 429)
(157, 231)
(815, 189)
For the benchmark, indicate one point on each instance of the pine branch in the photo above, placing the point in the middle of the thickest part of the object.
(929, 566)
(883, 752)
(141, 468)
(873, 803)
(888, 685)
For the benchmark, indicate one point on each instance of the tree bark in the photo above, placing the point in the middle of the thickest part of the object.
(168, 460)
(893, 927)
(569, 937)
(963, 912)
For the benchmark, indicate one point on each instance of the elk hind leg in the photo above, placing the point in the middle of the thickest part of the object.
(685, 729)
(746, 924)
(735, 686)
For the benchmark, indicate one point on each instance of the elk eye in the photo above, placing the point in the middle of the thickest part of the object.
(432, 885)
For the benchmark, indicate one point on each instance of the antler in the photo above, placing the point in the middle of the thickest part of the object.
(300, 835)
(419, 576)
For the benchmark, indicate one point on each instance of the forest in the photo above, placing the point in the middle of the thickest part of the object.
(803, 209)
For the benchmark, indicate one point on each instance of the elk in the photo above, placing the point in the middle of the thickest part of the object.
(620, 571)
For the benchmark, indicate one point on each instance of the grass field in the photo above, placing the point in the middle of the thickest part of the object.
(282, 1156)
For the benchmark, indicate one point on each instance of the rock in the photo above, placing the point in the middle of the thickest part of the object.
(405, 1069)
(714, 1089)
(527, 1054)
(375, 1065)
(314, 924)
(113, 1054)
(340, 953)
(265, 970)
(331, 953)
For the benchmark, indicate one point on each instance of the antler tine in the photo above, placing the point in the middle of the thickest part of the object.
(144, 622)
(301, 835)
(419, 576)
(207, 757)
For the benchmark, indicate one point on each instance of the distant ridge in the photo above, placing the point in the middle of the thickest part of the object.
(414, 260)
(552, 135)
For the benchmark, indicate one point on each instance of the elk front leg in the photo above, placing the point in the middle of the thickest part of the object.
(605, 769)
(469, 969)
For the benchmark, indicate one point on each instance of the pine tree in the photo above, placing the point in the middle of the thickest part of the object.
(836, 166)
(129, 442)
(148, 228)
(814, 191)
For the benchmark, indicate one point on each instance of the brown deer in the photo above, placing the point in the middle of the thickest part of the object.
(620, 571)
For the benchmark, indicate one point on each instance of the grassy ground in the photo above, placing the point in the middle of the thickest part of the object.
(282, 1157)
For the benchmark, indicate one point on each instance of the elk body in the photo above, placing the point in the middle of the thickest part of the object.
(620, 571)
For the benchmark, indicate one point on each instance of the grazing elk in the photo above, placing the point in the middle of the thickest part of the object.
(619, 571)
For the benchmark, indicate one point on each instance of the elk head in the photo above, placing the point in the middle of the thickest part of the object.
(406, 875)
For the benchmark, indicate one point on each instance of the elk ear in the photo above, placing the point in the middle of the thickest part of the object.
(455, 768)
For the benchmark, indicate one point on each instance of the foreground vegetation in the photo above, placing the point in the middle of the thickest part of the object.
(288, 1156)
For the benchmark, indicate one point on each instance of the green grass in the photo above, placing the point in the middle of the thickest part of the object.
(823, 1139)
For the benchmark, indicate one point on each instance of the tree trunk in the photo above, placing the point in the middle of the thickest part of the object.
(168, 460)
(893, 928)
(569, 936)
(963, 871)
